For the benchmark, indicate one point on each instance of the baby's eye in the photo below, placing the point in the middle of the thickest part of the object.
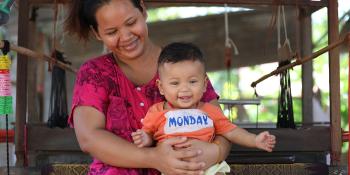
(174, 83)
(193, 81)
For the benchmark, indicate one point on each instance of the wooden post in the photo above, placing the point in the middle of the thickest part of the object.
(334, 83)
(307, 68)
(21, 88)
(33, 113)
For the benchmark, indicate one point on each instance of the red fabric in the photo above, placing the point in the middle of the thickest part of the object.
(11, 135)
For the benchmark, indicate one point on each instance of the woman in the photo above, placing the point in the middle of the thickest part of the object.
(114, 91)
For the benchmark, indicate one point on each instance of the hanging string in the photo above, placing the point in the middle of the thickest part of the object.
(229, 44)
(7, 146)
(257, 109)
(284, 51)
(5, 93)
(228, 41)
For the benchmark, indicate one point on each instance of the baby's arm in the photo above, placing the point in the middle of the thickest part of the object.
(263, 140)
(142, 138)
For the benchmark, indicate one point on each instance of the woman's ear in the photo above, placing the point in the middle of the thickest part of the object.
(205, 83)
(95, 33)
(144, 9)
(159, 84)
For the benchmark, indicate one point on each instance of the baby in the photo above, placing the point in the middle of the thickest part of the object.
(182, 81)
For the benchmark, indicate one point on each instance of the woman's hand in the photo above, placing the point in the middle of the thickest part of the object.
(212, 153)
(172, 162)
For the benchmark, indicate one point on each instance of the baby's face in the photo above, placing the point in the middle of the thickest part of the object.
(182, 83)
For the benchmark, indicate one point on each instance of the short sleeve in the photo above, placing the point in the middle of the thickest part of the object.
(152, 120)
(89, 89)
(221, 123)
(210, 93)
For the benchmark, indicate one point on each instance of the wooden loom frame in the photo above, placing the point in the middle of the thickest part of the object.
(306, 6)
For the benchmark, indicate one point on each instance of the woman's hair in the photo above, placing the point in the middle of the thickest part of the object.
(82, 16)
(180, 51)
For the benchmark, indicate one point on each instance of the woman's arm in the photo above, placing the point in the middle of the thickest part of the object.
(89, 126)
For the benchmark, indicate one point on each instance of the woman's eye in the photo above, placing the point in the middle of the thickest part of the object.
(193, 81)
(111, 33)
(131, 22)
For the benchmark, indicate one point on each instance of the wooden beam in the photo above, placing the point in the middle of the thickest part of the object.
(305, 39)
(32, 110)
(334, 83)
(310, 3)
(308, 139)
(42, 138)
(21, 87)
(256, 42)
(321, 3)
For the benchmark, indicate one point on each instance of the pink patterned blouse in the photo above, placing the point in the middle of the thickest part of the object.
(100, 83)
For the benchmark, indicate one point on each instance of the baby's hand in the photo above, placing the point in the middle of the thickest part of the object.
(265, 141)
(141, 138)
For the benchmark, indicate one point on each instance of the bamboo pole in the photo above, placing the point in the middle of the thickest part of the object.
(39, 56)
(303, 60)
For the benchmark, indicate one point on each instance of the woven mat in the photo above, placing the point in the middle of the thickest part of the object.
(66, 169)
(236, 169)
(279, 169)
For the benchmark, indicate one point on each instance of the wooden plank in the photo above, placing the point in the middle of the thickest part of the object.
(321, 3)
(303, 139)
(256, 42)
(33, 110)
(334, 83)
(43, 138)
(21, 87)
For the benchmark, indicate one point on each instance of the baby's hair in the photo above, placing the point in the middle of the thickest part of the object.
(180, 51)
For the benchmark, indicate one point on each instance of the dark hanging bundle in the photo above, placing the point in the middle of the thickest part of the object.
(285, 103)
(58, 113)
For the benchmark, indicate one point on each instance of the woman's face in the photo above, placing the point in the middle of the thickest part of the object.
(122, 28)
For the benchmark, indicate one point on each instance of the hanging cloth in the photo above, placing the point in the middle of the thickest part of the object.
(58, 113)
(285, 116)
(285, 102)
